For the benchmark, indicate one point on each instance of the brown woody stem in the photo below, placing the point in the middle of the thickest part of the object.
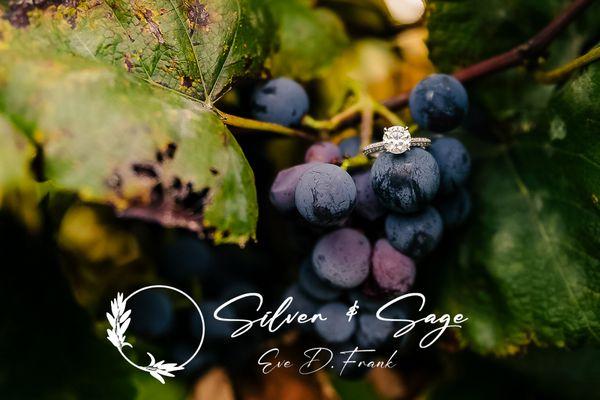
(516, 56)
(511, 58)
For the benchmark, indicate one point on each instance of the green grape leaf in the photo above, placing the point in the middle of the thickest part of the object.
(309, 39)
(150, 153)
(19, 192)
(16, 154)
(197, 47)
(528, 269)
(462, 32)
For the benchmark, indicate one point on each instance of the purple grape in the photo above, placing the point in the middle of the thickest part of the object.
(372, 332)
(337, 328)
(281, 101)
(367, 204)
(393, 272)
(454, 208)
(415, 235)
(325, 194)
(454, 163)
(350, 147)
(283, 189)
(342, 258)
(438, 103)
(405, 182)
(326, 152)
(314, 286)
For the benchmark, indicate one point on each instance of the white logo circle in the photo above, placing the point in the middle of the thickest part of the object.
(119, 319)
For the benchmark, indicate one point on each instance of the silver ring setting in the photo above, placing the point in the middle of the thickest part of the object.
(396, 140)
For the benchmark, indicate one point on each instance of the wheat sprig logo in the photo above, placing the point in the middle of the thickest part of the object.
(119, 320)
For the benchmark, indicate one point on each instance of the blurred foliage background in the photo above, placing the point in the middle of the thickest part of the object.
(111, 153)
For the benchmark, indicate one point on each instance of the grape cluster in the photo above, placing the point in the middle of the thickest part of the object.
(416, 196)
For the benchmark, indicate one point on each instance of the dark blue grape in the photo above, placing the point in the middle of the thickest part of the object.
(415, 235)
(405, 182)
(367, 203)
(151, 313)
(342, 258)
(336, 328)
(372, 332)
(325, 194)
(397, 311)
(454, 163)
(283, 190)
(393, 272)
(181, 352)
(186, 258)
(215, 330)
(454, 208)
(438, 103)
(282, 101)
(314, 286)
(326, 152)
(350, 147)
(301, 303)
(235, 289)
(365, 302)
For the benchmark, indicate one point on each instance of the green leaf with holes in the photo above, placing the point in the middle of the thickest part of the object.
(153, 154)
(309, 39)
(197, 47)
(528, 270)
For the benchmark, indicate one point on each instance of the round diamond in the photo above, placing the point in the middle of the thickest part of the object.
(396, 139)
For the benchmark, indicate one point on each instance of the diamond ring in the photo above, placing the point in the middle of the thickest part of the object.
(396, 140)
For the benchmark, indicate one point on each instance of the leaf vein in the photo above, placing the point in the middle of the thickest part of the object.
(545, 237)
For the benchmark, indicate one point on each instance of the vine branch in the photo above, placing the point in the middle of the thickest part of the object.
(511, 58)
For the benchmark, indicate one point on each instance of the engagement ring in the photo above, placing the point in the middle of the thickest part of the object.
(396, 140)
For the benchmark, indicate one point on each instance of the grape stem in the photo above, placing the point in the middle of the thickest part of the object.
(366, 124)
(563, 72)
(357, 161)
(511, 58)
(364, 105)
(333, 122)
(252, 124)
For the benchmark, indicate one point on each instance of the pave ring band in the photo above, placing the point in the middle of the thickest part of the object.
(396, 140)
